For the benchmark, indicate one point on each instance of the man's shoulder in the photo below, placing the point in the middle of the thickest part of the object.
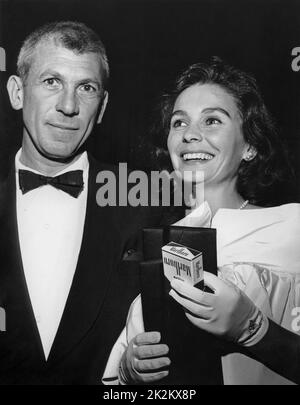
(129, 186)
(110, 179)
(6, 185)
(3, 188)
(96, 166)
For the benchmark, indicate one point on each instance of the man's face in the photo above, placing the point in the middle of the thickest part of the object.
(61, 99)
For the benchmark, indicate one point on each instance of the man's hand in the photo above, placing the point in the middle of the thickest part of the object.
(227, 313)
(143, 359)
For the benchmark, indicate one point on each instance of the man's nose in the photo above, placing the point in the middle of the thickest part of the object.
(68, 103)
(193, 134)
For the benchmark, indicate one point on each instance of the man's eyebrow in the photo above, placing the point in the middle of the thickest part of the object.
(50, 72)
(221, 110)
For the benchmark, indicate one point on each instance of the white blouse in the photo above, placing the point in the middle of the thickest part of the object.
(259, 251)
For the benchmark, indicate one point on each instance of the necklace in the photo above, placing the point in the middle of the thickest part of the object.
(244, 204)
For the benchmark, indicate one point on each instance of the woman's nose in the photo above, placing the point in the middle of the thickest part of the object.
(68, 103)
(192, 134)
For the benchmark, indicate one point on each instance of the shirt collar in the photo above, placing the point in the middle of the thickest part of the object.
(199, 217)
(81, 163)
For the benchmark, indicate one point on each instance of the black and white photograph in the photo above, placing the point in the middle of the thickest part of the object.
(149, 195)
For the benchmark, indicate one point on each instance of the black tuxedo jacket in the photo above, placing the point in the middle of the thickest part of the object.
(104, 284)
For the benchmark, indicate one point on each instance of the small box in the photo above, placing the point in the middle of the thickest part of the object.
(183, 263)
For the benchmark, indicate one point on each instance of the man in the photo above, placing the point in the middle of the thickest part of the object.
(63, 289)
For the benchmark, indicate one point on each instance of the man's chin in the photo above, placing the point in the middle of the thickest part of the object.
(62, 156)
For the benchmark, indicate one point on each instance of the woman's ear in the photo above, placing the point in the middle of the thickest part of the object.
(249, 154)
(15, 92)
(103, 107)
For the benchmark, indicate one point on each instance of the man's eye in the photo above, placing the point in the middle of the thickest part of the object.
(178, 124)
(212, 121)
(51, 82)
(88, 88)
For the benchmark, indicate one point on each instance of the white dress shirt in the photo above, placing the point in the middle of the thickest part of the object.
(50, 225)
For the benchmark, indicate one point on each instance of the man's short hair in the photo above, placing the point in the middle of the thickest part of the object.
(71, 35)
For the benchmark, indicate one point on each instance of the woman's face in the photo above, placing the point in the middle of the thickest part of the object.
(205, 134)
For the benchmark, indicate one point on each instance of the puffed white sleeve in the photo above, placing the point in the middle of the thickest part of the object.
(134, 326)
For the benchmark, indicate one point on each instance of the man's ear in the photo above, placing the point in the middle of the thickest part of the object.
(15, 92)
(103, 107)
(249, 153)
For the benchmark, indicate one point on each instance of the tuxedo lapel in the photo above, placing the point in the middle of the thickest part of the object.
(21, 324)
(99, 253)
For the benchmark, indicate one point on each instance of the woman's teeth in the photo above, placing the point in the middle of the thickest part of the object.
(197, 156)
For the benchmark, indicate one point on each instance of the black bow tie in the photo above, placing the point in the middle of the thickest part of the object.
(70, 182)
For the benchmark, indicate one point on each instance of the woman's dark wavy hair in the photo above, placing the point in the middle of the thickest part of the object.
(266, 180)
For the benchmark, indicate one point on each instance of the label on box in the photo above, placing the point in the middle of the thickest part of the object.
(182, 262)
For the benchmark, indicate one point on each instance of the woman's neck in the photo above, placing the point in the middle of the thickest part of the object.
(218, 196)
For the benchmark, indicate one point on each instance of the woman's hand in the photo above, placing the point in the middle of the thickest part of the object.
(143, 360)
(227, 313)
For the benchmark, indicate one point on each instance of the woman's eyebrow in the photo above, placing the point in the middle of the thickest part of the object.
(221, 110)
(178, 112)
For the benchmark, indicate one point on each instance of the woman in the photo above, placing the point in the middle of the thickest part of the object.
(218, 128)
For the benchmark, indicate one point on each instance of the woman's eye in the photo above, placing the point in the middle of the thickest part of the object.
(212, 121)
(178, 124)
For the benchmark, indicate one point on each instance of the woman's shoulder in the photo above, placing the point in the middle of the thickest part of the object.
(269, 236)
(281, 212)
(283, 207)
(285, 210)
(286, 216)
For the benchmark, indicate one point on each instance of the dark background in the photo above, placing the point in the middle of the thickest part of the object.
(148, 42)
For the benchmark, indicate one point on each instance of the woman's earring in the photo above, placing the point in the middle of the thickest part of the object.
(250, 155)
